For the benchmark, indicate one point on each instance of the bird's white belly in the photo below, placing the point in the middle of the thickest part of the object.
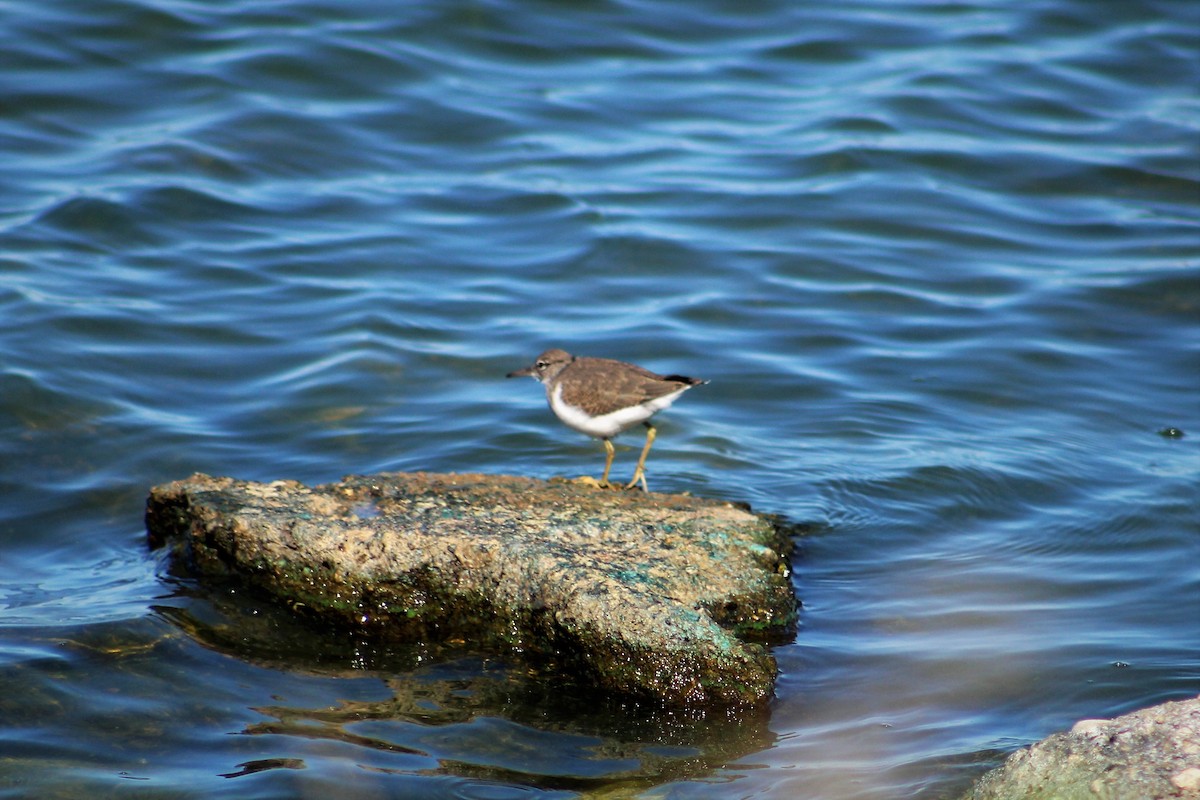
(608, 425)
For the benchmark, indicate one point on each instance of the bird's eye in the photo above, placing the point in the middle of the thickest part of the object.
(541, 365)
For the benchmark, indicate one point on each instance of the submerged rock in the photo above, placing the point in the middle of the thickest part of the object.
(1150, 753)
(667, 596)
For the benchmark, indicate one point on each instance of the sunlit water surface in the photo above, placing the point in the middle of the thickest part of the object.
(940, 262)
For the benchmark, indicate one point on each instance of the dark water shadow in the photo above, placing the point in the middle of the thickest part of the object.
(452, 709)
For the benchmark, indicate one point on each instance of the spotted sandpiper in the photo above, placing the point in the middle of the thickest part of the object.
(602, 397)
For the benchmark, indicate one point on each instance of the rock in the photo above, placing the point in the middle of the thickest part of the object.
(1152, 753)
(665, 596)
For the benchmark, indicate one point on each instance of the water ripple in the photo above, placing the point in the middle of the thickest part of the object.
(937, 260)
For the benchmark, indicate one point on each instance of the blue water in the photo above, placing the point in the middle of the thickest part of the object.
(939, 261)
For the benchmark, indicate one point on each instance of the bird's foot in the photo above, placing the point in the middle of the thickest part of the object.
(588, 480)
(638, 476)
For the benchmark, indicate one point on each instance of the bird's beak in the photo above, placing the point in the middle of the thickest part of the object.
(523, 372)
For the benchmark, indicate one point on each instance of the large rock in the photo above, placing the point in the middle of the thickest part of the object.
(667, 596)
(1152, 753)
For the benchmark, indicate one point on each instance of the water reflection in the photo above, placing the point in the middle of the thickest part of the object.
(453, 712)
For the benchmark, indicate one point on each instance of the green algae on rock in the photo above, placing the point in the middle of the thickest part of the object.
(1154, 752)
(664, 596)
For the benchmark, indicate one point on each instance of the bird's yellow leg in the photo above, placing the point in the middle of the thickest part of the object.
(588, 480)
(639, 474)
(611, 451)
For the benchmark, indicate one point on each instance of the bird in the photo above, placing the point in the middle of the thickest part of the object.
(601, 397)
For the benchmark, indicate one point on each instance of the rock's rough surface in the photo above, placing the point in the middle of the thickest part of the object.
(654, 595)
(1152, 753)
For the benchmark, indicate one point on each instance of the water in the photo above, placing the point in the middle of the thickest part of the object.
(940, 262)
